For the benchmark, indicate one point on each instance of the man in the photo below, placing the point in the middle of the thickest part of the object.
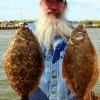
(53, 32)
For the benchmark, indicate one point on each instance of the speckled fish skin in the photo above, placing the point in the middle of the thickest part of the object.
(24, 63)
(80, 64)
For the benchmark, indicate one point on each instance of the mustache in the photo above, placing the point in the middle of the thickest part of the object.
(53, 10)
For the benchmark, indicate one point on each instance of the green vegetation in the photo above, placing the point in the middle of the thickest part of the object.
(18, 21)
(87, 21)
(82, 21)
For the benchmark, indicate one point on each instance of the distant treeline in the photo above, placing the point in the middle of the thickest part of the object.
(18, 21)
(87, 21)
(82, 21)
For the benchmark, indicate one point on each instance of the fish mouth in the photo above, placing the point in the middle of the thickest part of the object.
(77, 39)
(79, 36)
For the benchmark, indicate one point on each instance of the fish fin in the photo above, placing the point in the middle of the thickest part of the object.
(24, 97)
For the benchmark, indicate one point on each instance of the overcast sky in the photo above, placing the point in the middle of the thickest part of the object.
(29, 9)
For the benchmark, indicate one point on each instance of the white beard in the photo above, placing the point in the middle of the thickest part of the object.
(49, 27)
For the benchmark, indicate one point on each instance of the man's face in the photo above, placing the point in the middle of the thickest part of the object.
(53, 8)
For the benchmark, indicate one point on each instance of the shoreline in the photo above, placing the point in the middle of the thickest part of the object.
(7, 28)
(16, 27)
(92, 26)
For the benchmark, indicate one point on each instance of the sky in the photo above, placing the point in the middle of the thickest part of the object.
(30, 9)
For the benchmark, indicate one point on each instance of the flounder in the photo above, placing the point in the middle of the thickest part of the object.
(80, 64)
(24, 63)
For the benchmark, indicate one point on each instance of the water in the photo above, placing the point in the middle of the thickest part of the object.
(95, 37)
(6, 92)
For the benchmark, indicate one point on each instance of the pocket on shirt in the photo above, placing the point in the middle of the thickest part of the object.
(38, 95)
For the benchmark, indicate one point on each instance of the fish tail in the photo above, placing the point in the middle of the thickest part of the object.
(79, 98)
(24, 97)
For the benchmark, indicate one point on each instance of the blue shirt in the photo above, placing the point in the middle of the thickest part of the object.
(52, 85)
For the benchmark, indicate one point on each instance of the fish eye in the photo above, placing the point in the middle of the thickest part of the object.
(79, 36)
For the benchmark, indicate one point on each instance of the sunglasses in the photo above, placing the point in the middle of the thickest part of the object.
(58, 1)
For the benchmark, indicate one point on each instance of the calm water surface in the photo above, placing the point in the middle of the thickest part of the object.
(6, 92)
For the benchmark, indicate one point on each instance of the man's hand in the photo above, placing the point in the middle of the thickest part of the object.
(92, 96)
